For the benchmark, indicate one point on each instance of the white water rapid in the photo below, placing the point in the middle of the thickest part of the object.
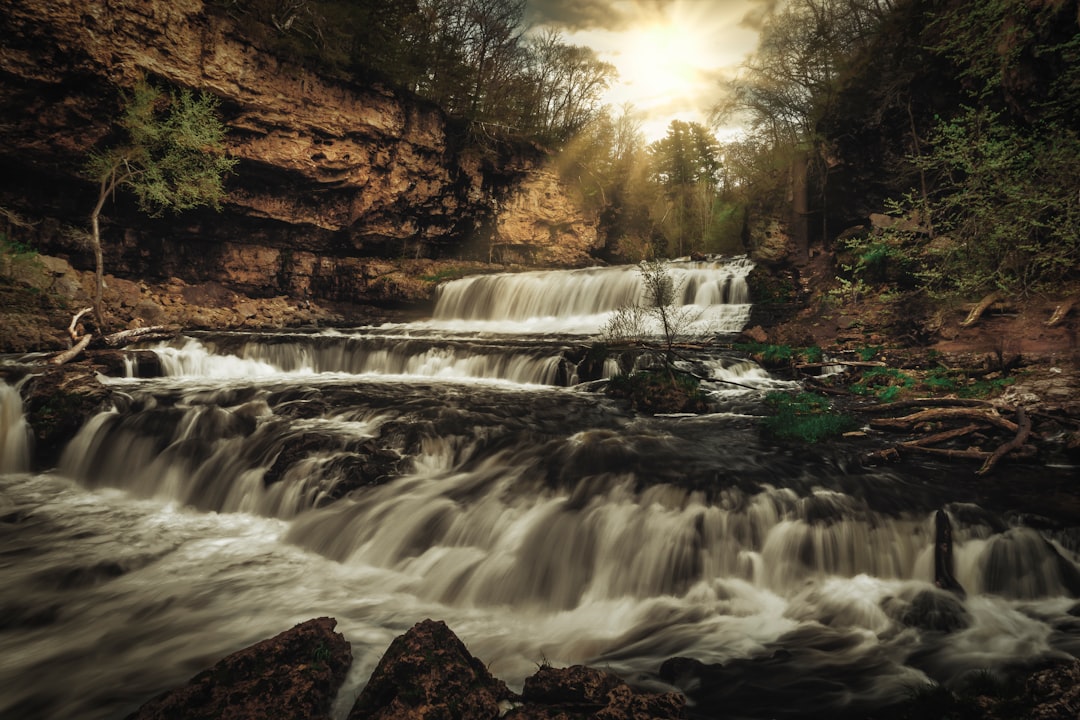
(14, 432)
(369, 476)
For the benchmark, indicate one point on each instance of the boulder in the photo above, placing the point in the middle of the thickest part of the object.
(1055, 692)
(584, 692)
(57, 401)
(427, 673)
(293, 676)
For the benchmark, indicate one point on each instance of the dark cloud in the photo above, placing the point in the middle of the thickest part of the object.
(576, 14)
(759, 12)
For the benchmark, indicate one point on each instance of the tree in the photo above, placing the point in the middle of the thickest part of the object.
(660, 310)
(686, 162)
(173, 159)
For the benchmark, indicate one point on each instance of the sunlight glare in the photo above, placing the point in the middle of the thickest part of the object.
(662, 61)
(671, 57)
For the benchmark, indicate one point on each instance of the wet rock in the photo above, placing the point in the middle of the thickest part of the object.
(294, 675)
(1055, 692)
(428, 673)
(933, 610)
(583, 692)
(57, 402)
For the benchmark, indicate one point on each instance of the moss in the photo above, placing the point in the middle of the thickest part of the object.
(774, 356)
(807, 417)
(659, 392)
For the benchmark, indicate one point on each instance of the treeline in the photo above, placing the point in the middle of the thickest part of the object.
(478, 60)
(961, 119)
(958, 118)
(471, 57)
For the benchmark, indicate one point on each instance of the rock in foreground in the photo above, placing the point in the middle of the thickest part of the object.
(427, 673)
(293, 676)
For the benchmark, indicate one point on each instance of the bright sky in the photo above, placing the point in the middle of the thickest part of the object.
(672, 55)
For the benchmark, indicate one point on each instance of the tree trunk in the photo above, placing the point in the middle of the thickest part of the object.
(800, 206)
(99, 262)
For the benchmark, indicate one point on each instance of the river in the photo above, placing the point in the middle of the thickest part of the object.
(456, 468)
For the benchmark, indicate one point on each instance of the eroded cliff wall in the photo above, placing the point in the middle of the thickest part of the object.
(336, 181)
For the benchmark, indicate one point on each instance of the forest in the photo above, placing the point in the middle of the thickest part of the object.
(959, 118)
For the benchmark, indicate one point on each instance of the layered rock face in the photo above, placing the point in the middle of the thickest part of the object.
(330, 174)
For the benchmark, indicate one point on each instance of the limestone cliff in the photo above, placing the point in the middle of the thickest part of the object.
(336, 182)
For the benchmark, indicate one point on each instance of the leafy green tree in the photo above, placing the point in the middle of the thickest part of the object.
(173, 158)
(1005, 207)
(686, 163)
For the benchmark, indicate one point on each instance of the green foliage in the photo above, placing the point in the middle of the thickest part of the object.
(941, 380)
(868, 353)
(174, 154)
(1007, 213)
(775, 356)
(807, 417)
(16, 249)
(886, 384)
(659, 391)
(20, 261)
(172, 158)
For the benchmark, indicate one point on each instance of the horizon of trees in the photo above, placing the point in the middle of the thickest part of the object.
(963, 119)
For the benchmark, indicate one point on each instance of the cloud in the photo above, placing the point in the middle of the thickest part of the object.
(759, 12)
(576, 14)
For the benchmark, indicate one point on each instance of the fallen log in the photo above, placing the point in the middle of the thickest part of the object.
(850, 363)
(978, 310)
(1023, 423)
(71, 353)
(924, 402)
(75, 322)
(908, 422)
(142, 334)
(1024, 452)
(944, 436)
(1061, 311)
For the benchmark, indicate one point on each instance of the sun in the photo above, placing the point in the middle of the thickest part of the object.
(662, 61)
(671, 56)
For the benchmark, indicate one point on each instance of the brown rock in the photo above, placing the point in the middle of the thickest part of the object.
(755, 334)
(293, 676)
(583, 692)
(57, 401)
(329, 170)
(1055, 693)
(427, 673)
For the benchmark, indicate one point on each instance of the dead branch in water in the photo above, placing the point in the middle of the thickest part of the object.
(908, 422)
(1023, 431)
(142, 334)
(72, 352)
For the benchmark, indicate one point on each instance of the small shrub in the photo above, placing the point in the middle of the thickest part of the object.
(659, 392)
(885, 384)
(780, 355)
(806, 416)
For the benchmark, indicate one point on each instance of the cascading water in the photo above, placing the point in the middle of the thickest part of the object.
(580, 301)
(270, 479)
(14, 432)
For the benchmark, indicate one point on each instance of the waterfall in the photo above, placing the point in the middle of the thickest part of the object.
(451, 468)
(14, 432)
(579, 301)
(362, 354)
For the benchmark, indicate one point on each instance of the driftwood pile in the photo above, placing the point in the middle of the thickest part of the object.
(954, 428)
(81, 339)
